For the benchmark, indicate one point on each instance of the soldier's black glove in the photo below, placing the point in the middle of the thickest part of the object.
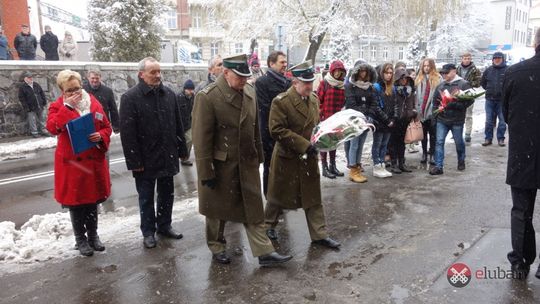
(210, 183)
(312, 151)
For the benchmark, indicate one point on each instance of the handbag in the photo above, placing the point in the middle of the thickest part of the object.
(415, 132)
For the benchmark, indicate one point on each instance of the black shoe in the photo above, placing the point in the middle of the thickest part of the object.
(96, 243)
(486, 143)
(273, 258)
(521, 271)
(334, 170)
(395, 169)
(327, 242)
(423, 160)
(272, 234)
(436, 171)
(221, 257)
(170, 233)
(501, 143)
(84, 247)
(149, 241)
(186, 163)
(404, 168)
(467, 138)
(461, 166)
(326, 172)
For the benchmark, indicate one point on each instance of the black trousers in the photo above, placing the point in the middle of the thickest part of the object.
(150, 219)
(430, 128)
(397, 144)
(522, 230)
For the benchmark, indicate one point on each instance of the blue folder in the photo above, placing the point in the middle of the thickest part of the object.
(79, 129)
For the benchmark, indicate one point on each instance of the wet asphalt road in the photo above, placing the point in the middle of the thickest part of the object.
(399, 235)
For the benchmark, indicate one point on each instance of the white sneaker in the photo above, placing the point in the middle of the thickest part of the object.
(377, 171)
(384, 171)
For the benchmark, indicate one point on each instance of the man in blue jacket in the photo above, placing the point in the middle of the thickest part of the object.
(492, 82)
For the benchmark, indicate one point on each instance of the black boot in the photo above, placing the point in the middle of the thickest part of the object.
(77, 221)
(403, 167)
(326, 172)
(395, 167)
(333, 168)
(91, 228)
(423, 160)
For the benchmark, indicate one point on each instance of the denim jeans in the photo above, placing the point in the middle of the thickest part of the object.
(165, 197)
(355, 149)
(35, 122)
(494, 111)
(380, 143)
(442, 131)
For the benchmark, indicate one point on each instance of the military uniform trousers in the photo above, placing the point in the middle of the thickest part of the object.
(256, 234)
(314, 217)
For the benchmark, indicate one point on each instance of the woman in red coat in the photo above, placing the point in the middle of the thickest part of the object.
(81, 181)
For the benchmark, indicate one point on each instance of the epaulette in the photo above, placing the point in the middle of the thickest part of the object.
(281, 95)
(208, 88)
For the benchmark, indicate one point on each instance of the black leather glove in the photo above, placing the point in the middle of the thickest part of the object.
(312, 150)
(210, 183)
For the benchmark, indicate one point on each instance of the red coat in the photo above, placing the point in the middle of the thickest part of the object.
(79, 178)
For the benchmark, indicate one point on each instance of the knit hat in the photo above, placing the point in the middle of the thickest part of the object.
(188, 85)
(255, 62)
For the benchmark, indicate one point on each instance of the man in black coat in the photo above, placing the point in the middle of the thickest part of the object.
(25, 44)
(153, 141)
(185, 102)
(33, 100)
(105, 96)
(267, 87)
(49, 44)
(492, 81)
(521, 109)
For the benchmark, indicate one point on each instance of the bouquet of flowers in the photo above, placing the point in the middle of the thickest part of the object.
(458, 96)
(339, 128)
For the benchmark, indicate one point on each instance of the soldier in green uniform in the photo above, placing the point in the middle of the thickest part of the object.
(294, 180)
(228, 152)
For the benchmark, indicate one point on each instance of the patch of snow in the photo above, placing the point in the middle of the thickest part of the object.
(26, 145)
(49, 237)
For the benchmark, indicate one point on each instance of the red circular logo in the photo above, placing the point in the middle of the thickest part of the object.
(459, 275)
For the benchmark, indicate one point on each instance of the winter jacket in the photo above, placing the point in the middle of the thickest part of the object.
(105, 96)
(26, 46)
(228, 148)
(32, 98)
(405, 96)
(79, 178)
(267, 87)
(151, 131)
(49, 44)
(186, 107)
(471, 74)
(209, 80)
(68, 50)
(388, 105)
(521, 111)
(427, 113)
(332, 99)
(365, 100)
(455, 111)
(4, 47)
(492, 81)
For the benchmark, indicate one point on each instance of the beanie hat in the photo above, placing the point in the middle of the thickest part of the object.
(188, 85)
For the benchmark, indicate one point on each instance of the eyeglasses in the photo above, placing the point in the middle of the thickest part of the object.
(72, 90)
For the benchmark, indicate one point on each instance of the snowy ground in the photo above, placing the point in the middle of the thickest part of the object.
(49, 237)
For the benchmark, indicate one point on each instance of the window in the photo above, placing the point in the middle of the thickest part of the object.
(238, 48)
(362, 52)
(401, 53)
(373, 52)
(172, 22)
(197, 20)
(525, 18)
(214, 49)
(385, 53)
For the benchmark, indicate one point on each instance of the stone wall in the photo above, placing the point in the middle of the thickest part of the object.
(119, 76)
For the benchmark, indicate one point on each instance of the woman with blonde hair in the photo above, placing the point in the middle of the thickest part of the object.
(68, 48)
(81, 181)
(427, 80)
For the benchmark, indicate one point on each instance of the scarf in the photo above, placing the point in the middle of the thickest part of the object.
(83, 107)
(362, 84)
(334, 82)
(404, 90)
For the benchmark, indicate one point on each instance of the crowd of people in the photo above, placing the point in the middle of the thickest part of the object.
(240, 118)
(26, 45)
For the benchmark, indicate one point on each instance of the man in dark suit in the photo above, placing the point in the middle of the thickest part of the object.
(521, 110)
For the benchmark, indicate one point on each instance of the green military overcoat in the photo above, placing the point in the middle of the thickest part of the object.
(228, 147)
(294, 180)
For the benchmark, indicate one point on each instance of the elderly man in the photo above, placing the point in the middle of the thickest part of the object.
(521, 111)
(153, 141)
(33, 100)
(105, 96)
(215, 68)
(294, 180)
(228, 152)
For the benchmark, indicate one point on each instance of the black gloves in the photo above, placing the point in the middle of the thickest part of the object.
(312, 150)
(210, 183)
